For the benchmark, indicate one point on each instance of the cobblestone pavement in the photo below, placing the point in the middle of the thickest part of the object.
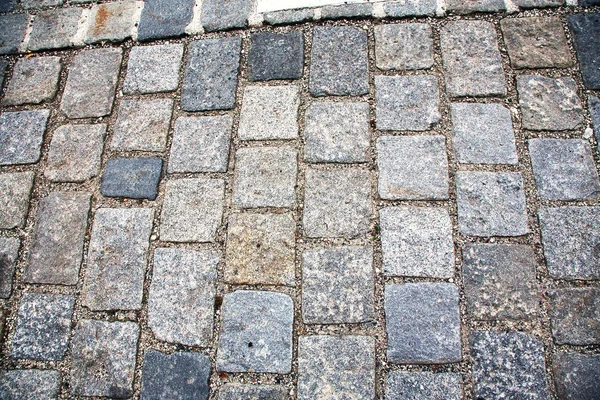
(392, 200)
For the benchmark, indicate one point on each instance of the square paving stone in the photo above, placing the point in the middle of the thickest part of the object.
(260, 249)
(483, 134)
(422, 323)
(337, 203)
(21, 135)
(594, 105)
(235, 391)
(34, 80)
(586, 29)
(54, 29)
(153, 69)
(135, 178)
(576, 375)
(165, 18)
(491, 204)
(91, 83)
(508, 365)
(177, 376)
(181, 299)
(337, 285)
(410, 8)
(474, 6)
(57, 247)
(192, 210)
(103, 358)
(265, 177)
(142, 125)
(471, 59)
(576, 316)
(43, 326)
(9, 252)
(402, 385)
(15, 189)
(276, 56)
(34, 384)
(201, 144)
(336, 367)
(117, 258)
(220, 15)
(339, 65)
(406, 103)
(256, 332)
(500, 282)
(417, 241)
(403, 46)
(12, 32)
(412, 167)
(564, 169)
(111, 21)
(337, 132)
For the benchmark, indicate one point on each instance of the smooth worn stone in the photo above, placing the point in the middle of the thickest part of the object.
(56, 251)
(211, 74)
(21, 135)
(54, 29)
(422, 323)
(336, 367)
(403, 46)
(265, 177)
(412, 167)
(337, 132)
(192, 210)
(8, 5)
(575, 316)
(15, 189)
(43, 326)
(276, 56)
(483, 134)
(508, 365)
(337, 285)
(153, 69)
(103, 358)
(548, 103)
(417, 241)
(576, 375)
(269, 112)
(594, 105)
(201, 144)
(538, 3)
(34, 80)
(181, 299)
(500, 282)
(586, 29)
(220, 15)
(134, 178)
(256, 332)
(339, 65)
(471, 59)
(260, 249)
(406, 103)
(91, 83)
(9, 252)
(164, 19)
(12, 32)
(177, 376)
(337, 203)
(402, 385)
(410, 8)
(347, 11)
(235, 391)
(111, 21)
(29, 384)
(142, 125)
(491, 204)
(474, 6)
(287, 17)
(117, 258)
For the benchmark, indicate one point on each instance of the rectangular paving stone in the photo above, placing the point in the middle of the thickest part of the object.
(91, 83)
(339, 65)
(586, 28)
(12, 32)
(9, 252)
(575, 316)
(21, 135)
(134, 178)
(57, 247)
(234, 391)
(182, 296)
(142, 125)
(576, 375)
(164, 18)
(15, 189)
(336, 367)
(403, 46)
(471, 59)
(361, 10)
(211, 74)
(462, 7)
(275, 56)
(40, 3)
(287, 17)
(111, 21)
(401, 385)
(220, 15)
(410, 8)
(117, 257)
(34, 81)
(256, 332)
(594, 106)
(54, 29)
(153, 69)
(36, 383)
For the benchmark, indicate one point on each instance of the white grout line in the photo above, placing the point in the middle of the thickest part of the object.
(137, 15)
(195, 26)
(78, 39)
(23, 46)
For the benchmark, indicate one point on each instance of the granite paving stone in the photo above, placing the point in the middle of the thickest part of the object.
(54, 29)
(8, 5)
(586, 29)
(538, 3)
(410, 8)
(276, 56)
(462, 7)
(575, 316)
(41, 3)
(153, 69)
(347, 11)
(234, 391)
(21, 135)
(256, 332)
(134, 178)
(12, 32)
(9, 252)
(111, 21)
(286, 17)
(403, 46)
(164, 18)
(15, 189)
(142, 125)
(220, 15)
(3, 68)
(422, 323)
(594, 106)
(576, 375)
(402, 385)
(34, 80)
(37, 384)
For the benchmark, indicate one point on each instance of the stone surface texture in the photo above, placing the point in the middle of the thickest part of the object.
(36, 383)
(234, 391)
(9, 252)
(586, 28)
(135, 178)
(153, 69)
(15, 189)
(34, 80)
(402, 385)
(404, 46)
(576, 316)
(142, 125)
(594, 106)
(12, 32)
(410, 8)
(576, 375)
(111, 21)
(276, 56)
(472, 6)
(220, 15)
(21, 136)
(164, 18)
(54, 28)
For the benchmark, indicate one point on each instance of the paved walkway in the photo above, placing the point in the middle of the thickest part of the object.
(400, 205)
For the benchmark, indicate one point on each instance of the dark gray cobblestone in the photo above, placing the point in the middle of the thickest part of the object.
(576, 375)
(21, 135)
(31, 384)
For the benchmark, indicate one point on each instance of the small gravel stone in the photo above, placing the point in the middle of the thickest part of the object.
(403, 46)
(153, 69)
(576, 375)
(165, 18)
(34, 80)
(54, 29)
(135, 178)
(402, 385)
(142, 125)
(235, 391)
(347, 11)
(15, 189)
(586, 29)
(9, 252)
(410, 8)
(21, 135)
(469, 7)
(287, 17)
(594, 105)
(220, 15)
(576, 316)
(111, 21)
(276, 56)
(30, 384)
(12, 32)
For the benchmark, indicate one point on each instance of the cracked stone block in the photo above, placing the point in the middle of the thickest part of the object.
(8, 5)
(410, 8)
(54, 29)
(142, 125)
(471, 59)
(111, 21)
(500, 282)
(153, 69)
(575, 316)
(103, 358)
(91, 83)
(15, 189)
(538, 3)
(337, 132)
(165, 18)
(234, 391)
(117, 258)
(256, 332)
(178, 376)
(43, 326)
(491, 204)
(192, 210)
(134, 178)
(594, 105)
(201, 144)
(211, 74)
(276, 56)
(181, 299)
(269, 112)
(586, 29)
(347, 11)
(462, 7)
(220, 15)
(41, 3)
(403, 46)
(34, 81)
(287, 17)
(260, 249)
(57, 247)
(21, 135)
(509, 365)
(402, 385)
(336, 367)
(576, 375)
(422, 323)
(9, 252)
(30, 384)
(12, 32)
(339, 65)
(406, 103)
